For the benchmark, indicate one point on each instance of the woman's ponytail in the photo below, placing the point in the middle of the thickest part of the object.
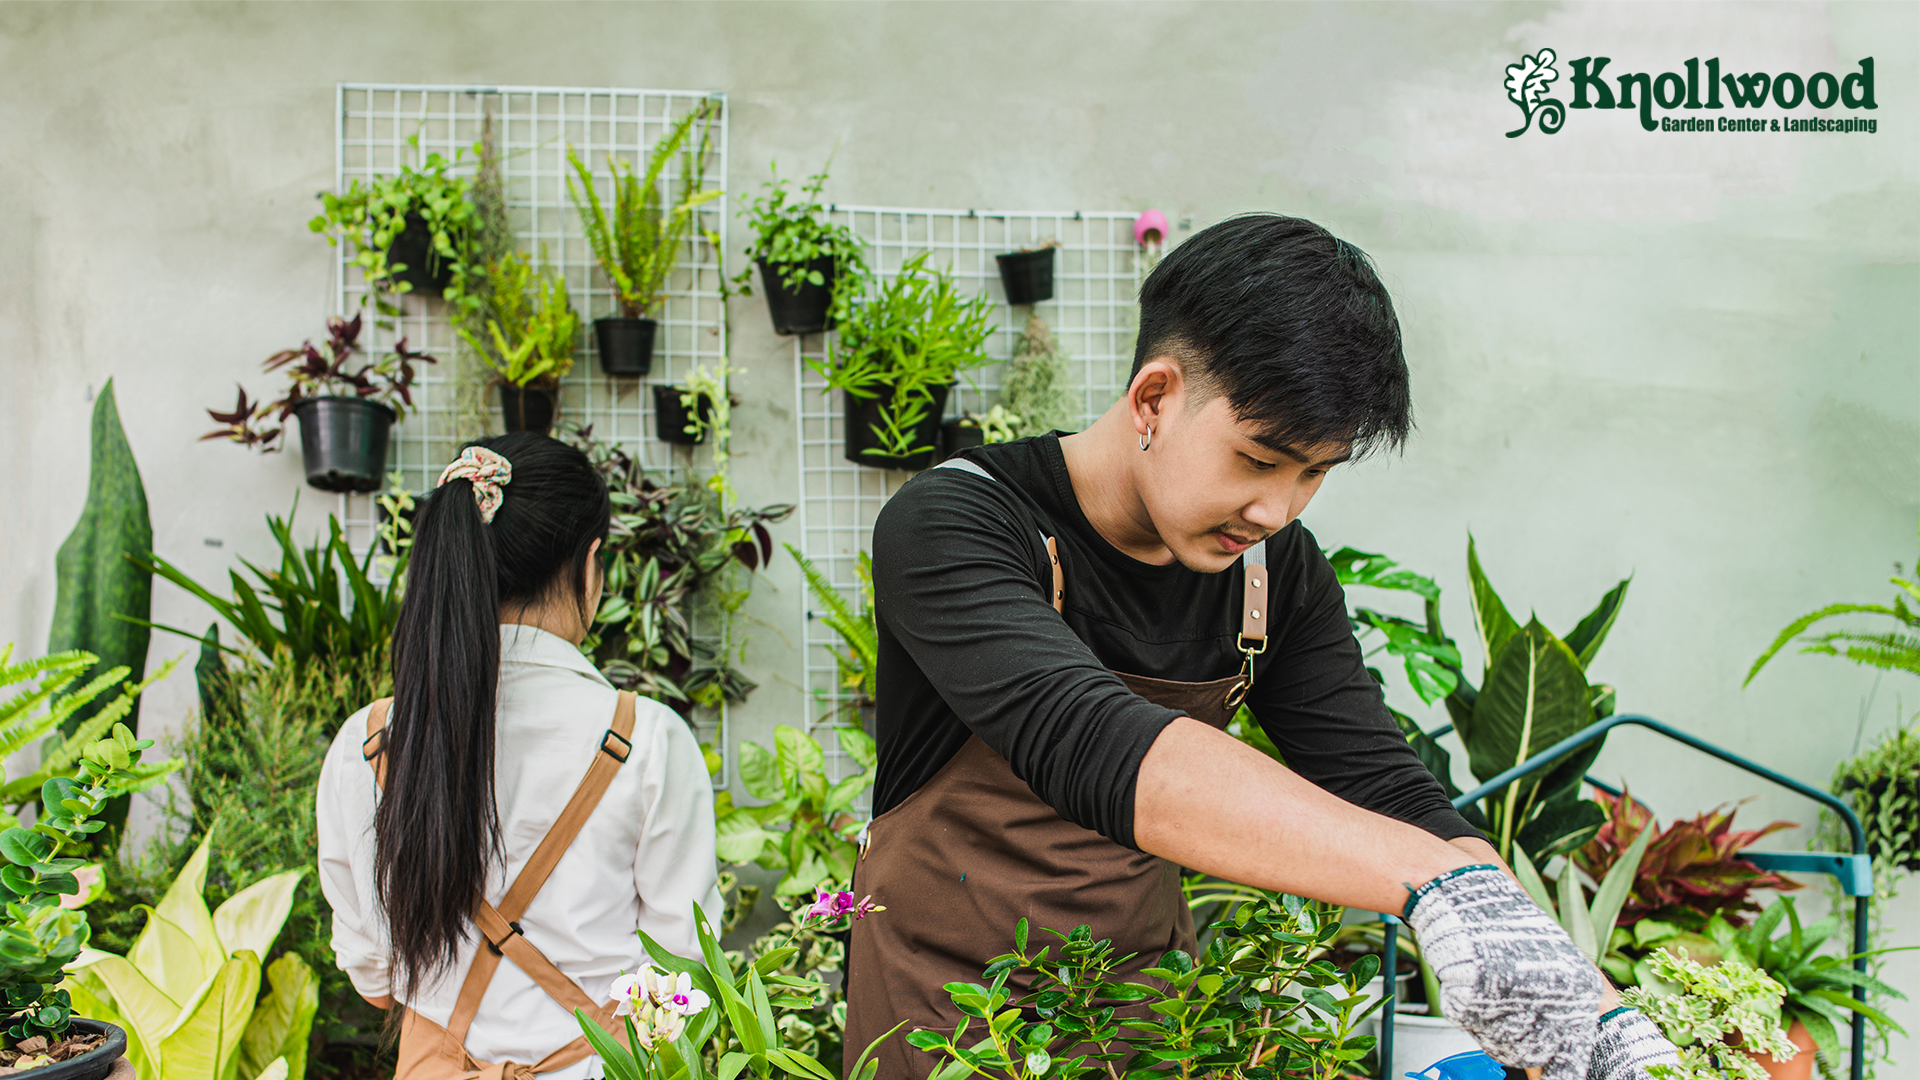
(437, 829)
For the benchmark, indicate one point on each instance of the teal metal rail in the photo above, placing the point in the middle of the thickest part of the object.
(1853, 870)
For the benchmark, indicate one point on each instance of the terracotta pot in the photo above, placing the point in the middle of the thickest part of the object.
(1797, 1067)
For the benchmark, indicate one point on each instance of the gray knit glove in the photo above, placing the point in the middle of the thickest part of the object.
(1508, 974)
(1628, 1043)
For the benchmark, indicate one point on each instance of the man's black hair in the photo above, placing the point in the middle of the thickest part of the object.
(1291, 324)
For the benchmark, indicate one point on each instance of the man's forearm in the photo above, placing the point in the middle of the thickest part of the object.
(1209, 802)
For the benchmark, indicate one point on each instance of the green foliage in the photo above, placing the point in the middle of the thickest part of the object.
(1589, 925)
(531, 331)
(807, 826)
(789, 232)
(740, 1026)
(1883, 787)
(860, 663)
(1533, 694)
(640, 244)
(1038, 385)
(1431, 661)
(38, 713)
(899, 342)
(1894, 649)
(669, 551)
(996, 425)
(1706, 1011)
(371, 215)
(1255, 1005)
(1818, 988)
(94, 581)
(41, 932)
(300, 608)
(253, 760)
(188, 991)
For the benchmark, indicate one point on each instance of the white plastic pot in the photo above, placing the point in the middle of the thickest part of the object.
(1419, 1041)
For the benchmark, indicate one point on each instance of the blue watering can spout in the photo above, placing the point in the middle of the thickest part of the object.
(1473, 1065)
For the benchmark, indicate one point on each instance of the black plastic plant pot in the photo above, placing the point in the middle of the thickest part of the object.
(670, 417)
(956, 436)
(626, 345)
(344, 442)
(96, 1063)
(526, 408)
(802, 310)
(863, 414)
(426, 271)
(1028, 275)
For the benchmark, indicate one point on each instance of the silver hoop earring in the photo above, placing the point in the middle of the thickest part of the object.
(1147, 439)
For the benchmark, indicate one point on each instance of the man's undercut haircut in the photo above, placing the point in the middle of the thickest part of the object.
(1291, 324)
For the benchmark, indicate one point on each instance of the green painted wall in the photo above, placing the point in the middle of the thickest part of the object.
(1695, 358)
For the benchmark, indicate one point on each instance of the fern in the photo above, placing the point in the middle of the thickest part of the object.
(638, 245)
(1897, 649)
(859, 665)
(34, 715)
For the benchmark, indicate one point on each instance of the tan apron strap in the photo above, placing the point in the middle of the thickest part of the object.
(1059, 576)
(374, 747)
(499, 927)
(615, 744)
(1255, 589)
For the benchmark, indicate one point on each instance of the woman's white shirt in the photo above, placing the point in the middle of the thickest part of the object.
(642, 860)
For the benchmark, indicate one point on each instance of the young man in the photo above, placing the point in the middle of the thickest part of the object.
(1067, 623)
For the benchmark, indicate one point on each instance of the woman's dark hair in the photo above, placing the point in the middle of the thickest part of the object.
(1290, 323)
(437, 828)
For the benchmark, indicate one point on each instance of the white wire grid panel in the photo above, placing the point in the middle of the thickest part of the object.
(377, 128)
(1092, 313)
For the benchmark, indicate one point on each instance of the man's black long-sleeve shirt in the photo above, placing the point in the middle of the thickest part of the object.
(970, 644)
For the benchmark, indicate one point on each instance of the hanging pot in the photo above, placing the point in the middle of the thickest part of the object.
(1028, 275)
(426, 270)
(802, 310)
(344, 442)
(527, 408)
(671, 418)
(96, 1063)
(957, 435)
(626, 345)
(864, 413)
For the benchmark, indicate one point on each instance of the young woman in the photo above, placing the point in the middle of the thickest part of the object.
(433, 806)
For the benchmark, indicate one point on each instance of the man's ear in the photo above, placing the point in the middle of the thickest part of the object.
(1151, 391)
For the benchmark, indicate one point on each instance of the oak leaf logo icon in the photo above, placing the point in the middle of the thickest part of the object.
(1527, 83)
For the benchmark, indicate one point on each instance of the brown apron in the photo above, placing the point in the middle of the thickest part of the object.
(974, 850)
(431, 1052)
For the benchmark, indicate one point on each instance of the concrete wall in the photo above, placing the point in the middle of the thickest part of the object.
(1692, 358)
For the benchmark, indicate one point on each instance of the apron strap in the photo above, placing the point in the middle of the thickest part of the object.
(499, 926)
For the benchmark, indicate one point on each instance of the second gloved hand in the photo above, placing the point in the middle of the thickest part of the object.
(1509, 976)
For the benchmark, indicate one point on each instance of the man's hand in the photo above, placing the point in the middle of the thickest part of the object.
(1509, 976)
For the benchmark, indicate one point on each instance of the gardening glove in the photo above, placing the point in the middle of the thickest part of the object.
(1629, 1042)
(1509, 976)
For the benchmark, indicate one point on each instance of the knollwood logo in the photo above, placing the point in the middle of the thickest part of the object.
(1529, 80)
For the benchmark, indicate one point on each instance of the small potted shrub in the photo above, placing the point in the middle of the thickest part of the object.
(898, 352)
(344, 415)
(44, 928)
(1037, 385)
(1723, 1018)
(410, 231)
(1028, 273)
(807, 264)
(639, 244)
(529, 340)
(996, 425)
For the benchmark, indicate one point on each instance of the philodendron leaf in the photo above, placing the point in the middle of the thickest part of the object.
(203, 1041)
(1536, 695)
(1489, 614)
(185, 907)
(1587, 637)
(138, 1006)
(1530, 880)
(166, 955)
(1563, 820)
(1575, 919)
(759, 771)
(251, 918)
(282, 1021)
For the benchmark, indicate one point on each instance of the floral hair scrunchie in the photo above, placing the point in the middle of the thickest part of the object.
(487, 471)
